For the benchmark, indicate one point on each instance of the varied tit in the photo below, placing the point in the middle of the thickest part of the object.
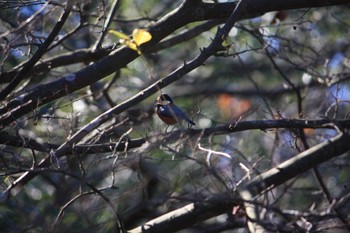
(169, 112)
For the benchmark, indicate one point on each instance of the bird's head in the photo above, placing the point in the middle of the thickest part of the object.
(163, 99)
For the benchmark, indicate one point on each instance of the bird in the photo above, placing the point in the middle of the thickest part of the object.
(168, 112)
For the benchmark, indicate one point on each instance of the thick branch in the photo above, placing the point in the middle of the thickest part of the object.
(187, 216)
(69, 58)
(301, 163)
(288, 170)
(6, 139)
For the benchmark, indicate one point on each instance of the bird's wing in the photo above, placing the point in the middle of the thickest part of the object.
(180, 114)
(172, 110)
(175, 110)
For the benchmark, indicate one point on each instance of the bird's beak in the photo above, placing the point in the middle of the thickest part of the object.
(162, 102)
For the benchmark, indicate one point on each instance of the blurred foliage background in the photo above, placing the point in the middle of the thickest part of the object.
(264, 62)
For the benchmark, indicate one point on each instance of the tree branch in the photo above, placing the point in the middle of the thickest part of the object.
(24, 142)
(69, 58)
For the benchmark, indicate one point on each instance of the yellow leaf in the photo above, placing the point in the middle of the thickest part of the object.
(141, 36)
(119, 34)
(132, 45)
